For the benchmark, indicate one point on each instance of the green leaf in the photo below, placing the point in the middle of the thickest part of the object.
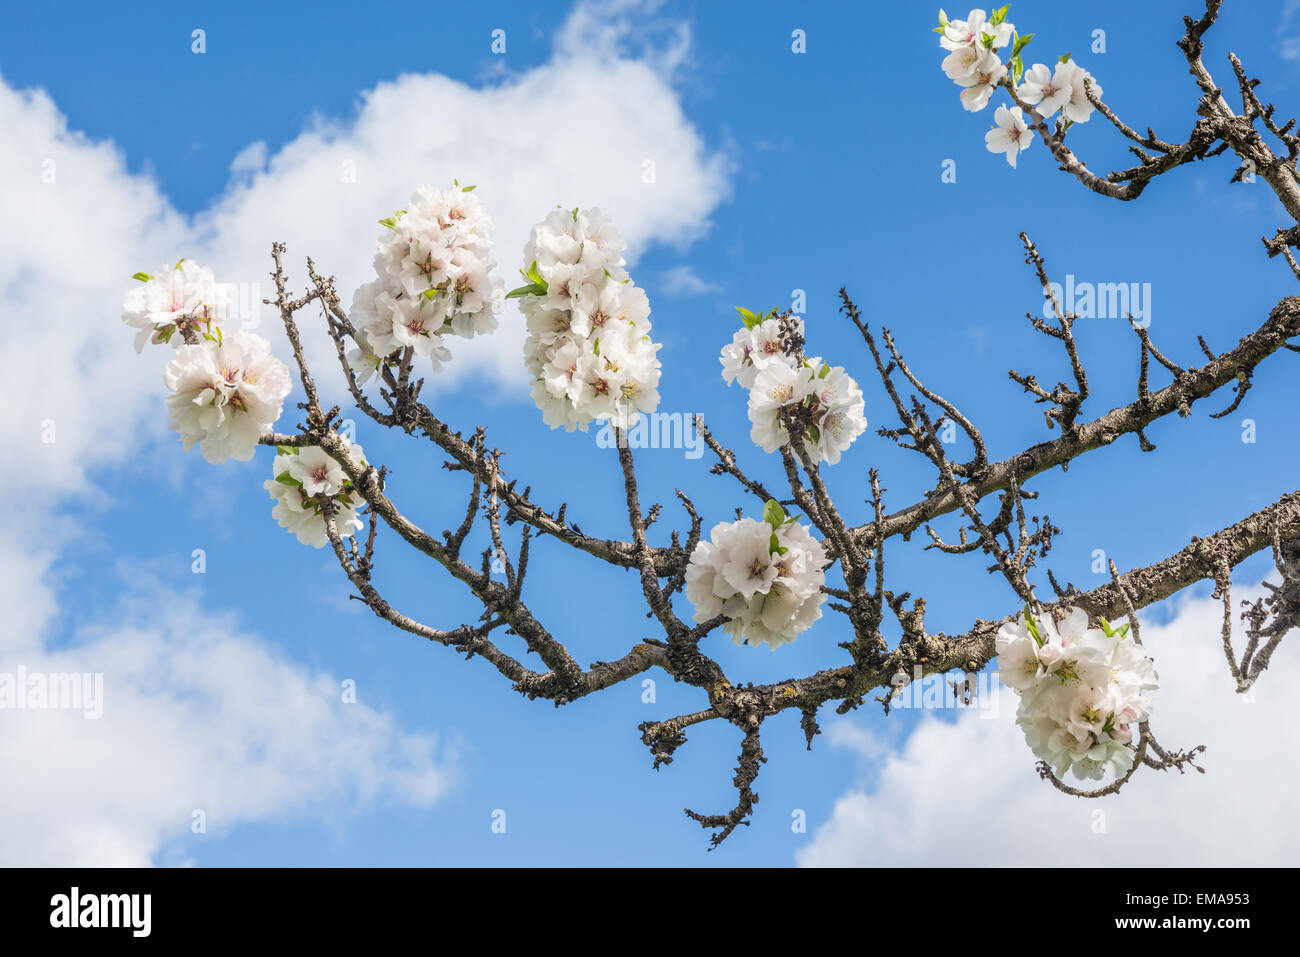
(943, 19)
(429, 293)
(1110, 723)
(814, 433)
(532, 289)
(987, 41)
(221, 339)
(999, 15)
(825, 371)
(597, 345)
(1020, 43)
(179, 262)
(468, 189)
(937, 29)
(286, 450)
(747, 317)
(390, 222)
(210, 338)
(537, 286)
(284, 478)
(1064, 59)
(1111, 631)
(1032, 625)
(575, 214)
(142, 276)
(773, 513)
(774, 547)
(536, 277)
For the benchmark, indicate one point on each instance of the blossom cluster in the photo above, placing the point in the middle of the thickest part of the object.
(1083, 691)
(766, 577)
(765, 358)
(974, 62)
(225, 393)
(976, 47)
(588, 348)
(225, 390)
(182, 294)
(304, 480)
(433, 278)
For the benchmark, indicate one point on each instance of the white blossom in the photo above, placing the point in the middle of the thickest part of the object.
(835, 412)
(1045, 91)
(225, 394)
(963, 33)
(363, 359)
(1083, 691)
(765, 577)
(303, 481)
(775, 387)
(1010, 135)
(975, 31)
(753, 349)
(980, 83)
(961, 62)
(1078, 109)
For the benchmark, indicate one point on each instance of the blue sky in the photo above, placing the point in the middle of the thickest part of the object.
(781, 171)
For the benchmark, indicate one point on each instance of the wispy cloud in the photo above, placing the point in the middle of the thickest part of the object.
(1288, 35)
(609, 29)
(684, 281)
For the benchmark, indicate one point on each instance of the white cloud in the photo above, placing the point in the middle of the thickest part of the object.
(195, 715)
(198, 715)
(684, 281)
(77, 225)
(965, 792)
